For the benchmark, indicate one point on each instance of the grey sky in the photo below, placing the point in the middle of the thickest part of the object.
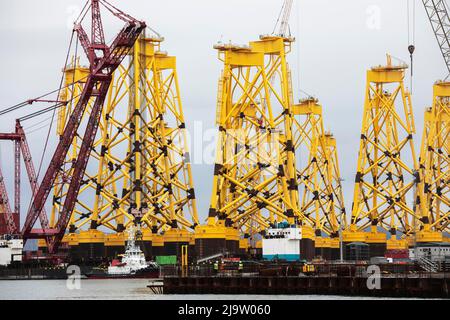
(334, 49)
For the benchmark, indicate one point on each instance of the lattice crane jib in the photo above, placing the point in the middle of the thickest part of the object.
(440, 22)
(104, 60)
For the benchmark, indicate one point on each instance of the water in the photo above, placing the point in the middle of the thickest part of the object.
(119, 289)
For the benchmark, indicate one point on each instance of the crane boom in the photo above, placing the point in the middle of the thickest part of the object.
(31, 171)
(97, 85)
(22, 147)
(285, 16)
(440, 22)
(5, 208)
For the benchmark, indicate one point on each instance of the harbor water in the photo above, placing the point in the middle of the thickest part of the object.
(120, 289)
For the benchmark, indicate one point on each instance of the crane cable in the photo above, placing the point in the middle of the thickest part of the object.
(411, 21)
(32, 198)
(297, 17)
(31, 101)
(279, 18)
(72, 97)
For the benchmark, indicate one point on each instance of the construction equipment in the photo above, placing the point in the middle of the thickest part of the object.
(384, 178)
(21, 150)
(255, 183)
(319, 177)
(140, 171)
(251, 182)
(103, 61)
(438, 15)
(433, 200)
(7, 218)
(283, 19)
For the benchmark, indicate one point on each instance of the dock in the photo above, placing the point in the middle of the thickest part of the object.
(405, 286)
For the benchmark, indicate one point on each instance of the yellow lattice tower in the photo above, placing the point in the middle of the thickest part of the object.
(139, 171)
(387, 165)
(434, 187)
(319, 176)
(254, 183)
(334, 175)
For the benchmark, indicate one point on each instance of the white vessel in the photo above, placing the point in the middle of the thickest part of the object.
(11, 249)
(132, 264)
(282, 243)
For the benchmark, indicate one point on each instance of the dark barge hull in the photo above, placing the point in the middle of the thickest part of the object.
(430, 287)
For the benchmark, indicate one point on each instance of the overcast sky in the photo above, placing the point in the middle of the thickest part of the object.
(337, 41)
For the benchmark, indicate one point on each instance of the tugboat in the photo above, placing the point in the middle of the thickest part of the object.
(132, 265)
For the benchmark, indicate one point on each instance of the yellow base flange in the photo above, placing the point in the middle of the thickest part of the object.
(308, 232)
(243, 244)
(429, 236)
(157, 240)
(322, 242)
(71, 239)
(91, 236)
(115, 240)
(334, 243)
(396, 244)
(177, 235)
(147, 234)
(354, 236)
(376, 237)
(210, 232)
(232, 234)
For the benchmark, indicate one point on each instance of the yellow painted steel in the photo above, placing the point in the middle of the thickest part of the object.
(184, 256)
(176, 235)
(319, 177)
(157, 241)
(244, 244)
(139, 170)
(254, 183)
(386, 162)
(115, 240)
(322, 242)
(397, 244)
(433, 203)
(210, 232)
(91, 236)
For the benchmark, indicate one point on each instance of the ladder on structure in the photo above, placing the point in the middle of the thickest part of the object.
(428, 265)
(212, 257)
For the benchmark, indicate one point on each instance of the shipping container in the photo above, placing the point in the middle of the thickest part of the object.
(166, 260)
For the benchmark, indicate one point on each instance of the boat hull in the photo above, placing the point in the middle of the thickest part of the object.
(150, 274)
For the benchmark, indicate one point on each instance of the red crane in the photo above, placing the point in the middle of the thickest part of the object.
(21, 147)
(6, 215)
(103, 60)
